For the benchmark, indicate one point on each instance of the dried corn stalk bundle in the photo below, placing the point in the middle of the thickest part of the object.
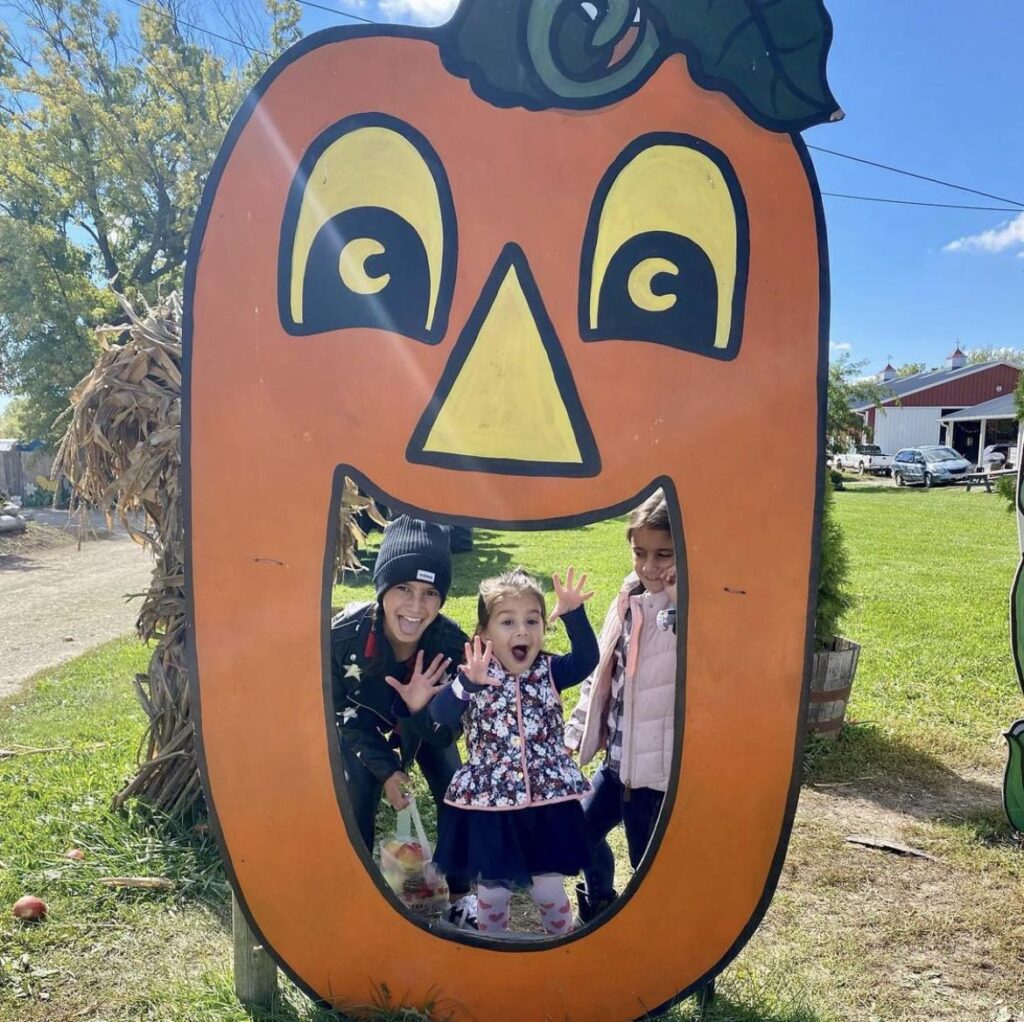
(351, 535)
(122, 453)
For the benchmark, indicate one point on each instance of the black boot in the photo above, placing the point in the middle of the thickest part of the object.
(590, 910)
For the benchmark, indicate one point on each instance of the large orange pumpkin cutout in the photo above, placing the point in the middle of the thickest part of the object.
(518, 307)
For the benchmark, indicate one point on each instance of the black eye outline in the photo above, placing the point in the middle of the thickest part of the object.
(449, 225)
(739, 296)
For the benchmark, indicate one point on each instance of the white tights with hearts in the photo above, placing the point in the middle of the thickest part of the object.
(547, 893)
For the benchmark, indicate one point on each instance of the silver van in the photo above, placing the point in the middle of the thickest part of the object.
(929, 466)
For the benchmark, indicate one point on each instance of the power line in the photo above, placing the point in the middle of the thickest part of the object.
(933, 205)
(335, 10)
(920, 177)
(197, 28)
(237, 42)
(1015, 207)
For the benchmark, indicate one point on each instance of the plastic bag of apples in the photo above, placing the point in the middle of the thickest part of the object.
(405, 861)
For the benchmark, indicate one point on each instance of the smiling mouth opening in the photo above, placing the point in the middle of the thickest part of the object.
(497, 546)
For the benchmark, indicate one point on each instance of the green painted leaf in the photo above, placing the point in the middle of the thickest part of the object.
(1013, 782)
(1017, 622)
(768, 55)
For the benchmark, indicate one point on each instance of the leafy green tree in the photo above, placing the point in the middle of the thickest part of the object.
(11, 419)
(990, 353)
(107, 133)
(847, 389)
(1018, 397)
(910, 369)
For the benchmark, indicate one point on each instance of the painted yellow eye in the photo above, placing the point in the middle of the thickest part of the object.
(665, 257)
(369, 234)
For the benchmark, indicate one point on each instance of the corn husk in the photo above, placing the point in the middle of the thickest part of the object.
(122, 453)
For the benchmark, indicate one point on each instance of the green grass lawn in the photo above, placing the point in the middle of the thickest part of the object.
(931, 570)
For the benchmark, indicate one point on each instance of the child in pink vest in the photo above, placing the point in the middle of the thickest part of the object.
(515, 819)
(627, 707)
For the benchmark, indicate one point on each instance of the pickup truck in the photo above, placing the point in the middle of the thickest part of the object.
(863, 458)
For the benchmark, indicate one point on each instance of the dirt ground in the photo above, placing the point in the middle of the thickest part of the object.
(897, 938)
(59, 599)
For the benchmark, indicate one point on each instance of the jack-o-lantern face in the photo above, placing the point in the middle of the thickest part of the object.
(511, 317)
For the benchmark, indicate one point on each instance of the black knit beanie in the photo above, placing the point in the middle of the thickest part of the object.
(413, 551)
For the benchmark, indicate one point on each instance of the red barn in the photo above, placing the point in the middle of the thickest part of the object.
(936, 407)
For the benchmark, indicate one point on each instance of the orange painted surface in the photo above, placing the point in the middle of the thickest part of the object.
(273, 415)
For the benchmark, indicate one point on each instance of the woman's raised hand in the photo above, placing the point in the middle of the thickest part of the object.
(478, 659)
(423, 685)
(569, 596)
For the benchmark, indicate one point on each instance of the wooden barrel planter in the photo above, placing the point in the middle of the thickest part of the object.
(832, 672)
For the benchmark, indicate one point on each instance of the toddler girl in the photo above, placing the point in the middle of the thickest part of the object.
(515, 818)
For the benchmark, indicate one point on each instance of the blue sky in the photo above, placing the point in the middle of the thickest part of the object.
(932, 87)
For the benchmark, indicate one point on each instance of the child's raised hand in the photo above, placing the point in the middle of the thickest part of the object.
(569, 596)
(423, 685)
(478, 659)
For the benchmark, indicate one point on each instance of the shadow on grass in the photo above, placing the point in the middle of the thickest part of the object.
(293, 1007)
(908, 488)
(881, 488)
(866, 763)
(489, 557)
(18, 562)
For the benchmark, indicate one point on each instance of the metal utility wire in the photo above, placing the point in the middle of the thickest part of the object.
(1014, 208)
(335, 10)
(911, 202)
(919, 177)
(197, 28)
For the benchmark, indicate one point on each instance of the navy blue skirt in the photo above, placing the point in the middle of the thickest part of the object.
(509, 847)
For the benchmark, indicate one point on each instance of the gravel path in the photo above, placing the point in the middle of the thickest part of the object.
(57, 603)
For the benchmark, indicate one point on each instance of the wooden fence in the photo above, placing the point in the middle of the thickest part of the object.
(12, 475)
(20, 470)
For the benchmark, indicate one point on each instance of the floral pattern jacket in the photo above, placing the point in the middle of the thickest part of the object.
(514, 736)
(514, 732)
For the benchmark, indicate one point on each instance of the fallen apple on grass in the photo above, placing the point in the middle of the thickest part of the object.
(29, 908)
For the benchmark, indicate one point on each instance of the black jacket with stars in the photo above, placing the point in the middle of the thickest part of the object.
(373, 721)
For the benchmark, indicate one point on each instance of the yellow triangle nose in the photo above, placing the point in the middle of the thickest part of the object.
(507, 400)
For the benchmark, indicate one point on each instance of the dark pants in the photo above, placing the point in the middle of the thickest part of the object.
(605, 808)
(365, 791)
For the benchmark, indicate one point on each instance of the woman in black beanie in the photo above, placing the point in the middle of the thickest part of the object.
(401, 642)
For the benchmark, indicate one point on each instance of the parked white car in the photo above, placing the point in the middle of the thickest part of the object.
(863, 458)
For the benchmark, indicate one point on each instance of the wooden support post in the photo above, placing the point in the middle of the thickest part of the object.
(255, 971)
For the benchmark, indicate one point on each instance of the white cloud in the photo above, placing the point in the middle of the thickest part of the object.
(1007, 235)
(840, 346)
(427, 12)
